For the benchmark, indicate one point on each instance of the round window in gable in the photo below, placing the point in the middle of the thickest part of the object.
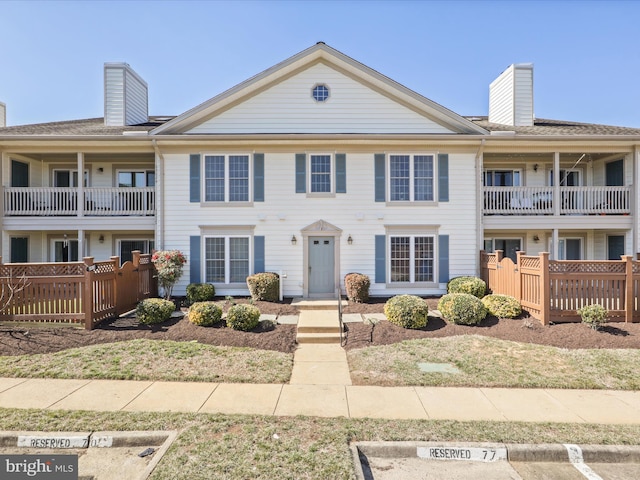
(320, 93)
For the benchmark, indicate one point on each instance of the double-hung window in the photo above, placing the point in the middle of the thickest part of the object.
(411, 178)
(227, 259)
(320, 167)
(226, 178)
(412, 258)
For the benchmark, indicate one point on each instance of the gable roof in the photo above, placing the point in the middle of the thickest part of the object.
(318, 53)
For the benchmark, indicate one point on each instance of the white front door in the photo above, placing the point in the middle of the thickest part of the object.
(321, 266)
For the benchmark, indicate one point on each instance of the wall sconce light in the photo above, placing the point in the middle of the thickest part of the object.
(536, 238)
(100, 169)
(101, 238)
(350, 240)
(294, 240)
(65, 242)
(535, 167)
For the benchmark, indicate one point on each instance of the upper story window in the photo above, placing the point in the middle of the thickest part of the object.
(411, 178)
(320, 93)
(135, 178)
(501, 178)
(226, 178)
(320, 166)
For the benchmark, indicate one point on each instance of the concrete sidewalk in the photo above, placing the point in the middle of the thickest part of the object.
(352, 401)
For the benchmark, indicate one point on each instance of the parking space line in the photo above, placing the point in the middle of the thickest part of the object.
(575, 457)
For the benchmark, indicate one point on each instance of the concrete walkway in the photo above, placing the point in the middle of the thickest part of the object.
(326, 400)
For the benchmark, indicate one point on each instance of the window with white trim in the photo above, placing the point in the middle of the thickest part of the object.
(412, 258)
(127, 246)
(227, 259)
(226, 178)
(320, 178)
(411, 178)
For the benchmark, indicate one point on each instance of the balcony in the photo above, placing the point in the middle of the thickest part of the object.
(63, 201)
(592, 200)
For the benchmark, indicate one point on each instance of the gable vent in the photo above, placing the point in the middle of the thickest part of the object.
(125, 96)
(511, 96)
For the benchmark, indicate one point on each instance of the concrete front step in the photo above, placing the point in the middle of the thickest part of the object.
(317, 304)
(318, 337)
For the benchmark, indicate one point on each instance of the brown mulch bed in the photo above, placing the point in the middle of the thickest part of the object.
(29, 339)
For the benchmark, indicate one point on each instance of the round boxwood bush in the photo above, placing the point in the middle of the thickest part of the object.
(462, 308)
(205, 314)
(357, 287)
(264, 286)
(154, 310)
(200, 292)
(502, 306)
(407, 311)
(472, 285)
(243, 317)
(594, 315)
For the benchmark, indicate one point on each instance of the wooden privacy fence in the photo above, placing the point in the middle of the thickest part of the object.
(84, 292)
(553, 290)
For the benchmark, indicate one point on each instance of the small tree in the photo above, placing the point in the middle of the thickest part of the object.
(169, 264)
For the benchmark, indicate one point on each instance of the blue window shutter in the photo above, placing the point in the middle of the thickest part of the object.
(380, 180)
(341, 173)
(301, 172)
(381, 259)
(194, 178)
(443, 177)
(258, 254)
(194, 259)
(258, 177)
(443, 258)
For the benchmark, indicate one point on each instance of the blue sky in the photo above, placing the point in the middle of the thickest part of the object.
(586, 54)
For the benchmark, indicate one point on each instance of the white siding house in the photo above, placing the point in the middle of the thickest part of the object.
(317, 167)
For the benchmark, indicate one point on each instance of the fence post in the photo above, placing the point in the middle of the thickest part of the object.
(545, 289)
(628, 283)
(116, 274)
(88, 292)
(136, 270)
(518, 279)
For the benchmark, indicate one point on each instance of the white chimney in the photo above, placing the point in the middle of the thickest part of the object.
(511, 96)
(125, 96)
(3, 115)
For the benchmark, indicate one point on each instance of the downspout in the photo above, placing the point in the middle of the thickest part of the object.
(159, 167)
(635, 202)
(479, 161)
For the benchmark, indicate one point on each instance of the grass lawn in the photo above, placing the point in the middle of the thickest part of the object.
(242, 447)
(155, 360)
(490, 362)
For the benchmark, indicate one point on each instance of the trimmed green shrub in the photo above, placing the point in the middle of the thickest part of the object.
(407, 311)
(205, 314)
(357, 287)
(264, 286)
(472, 285)
(200, 292)
(593, 315)
(462, 309)
(243, 317)
(154, 310)
(502, 306)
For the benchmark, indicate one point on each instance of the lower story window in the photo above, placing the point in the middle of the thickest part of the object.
(412, 258)
(227, 259)
(128, 246)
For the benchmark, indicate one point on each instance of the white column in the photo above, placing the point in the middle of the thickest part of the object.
(556, 183)
(80, 244)
(554, 244)
(80, 191)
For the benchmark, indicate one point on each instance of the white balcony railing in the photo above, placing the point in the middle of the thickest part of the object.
(573, 200)
(61, 201)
